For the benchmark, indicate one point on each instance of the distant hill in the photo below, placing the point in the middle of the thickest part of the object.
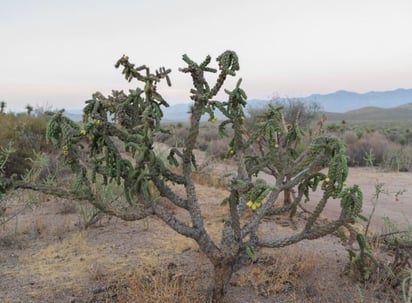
(373, 115)
(75, 115)
(343, 101)
(338, 102)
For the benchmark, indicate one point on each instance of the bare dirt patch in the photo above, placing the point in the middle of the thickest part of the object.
(45, 255)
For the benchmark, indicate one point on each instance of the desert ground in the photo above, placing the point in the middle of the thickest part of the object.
(46, 254)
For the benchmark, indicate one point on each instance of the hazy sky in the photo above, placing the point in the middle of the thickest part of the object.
(57, 53)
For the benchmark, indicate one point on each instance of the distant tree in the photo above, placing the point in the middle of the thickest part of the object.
(298, 111)
(294, 111)
(2, 107)
(29, 109)
(44, 111)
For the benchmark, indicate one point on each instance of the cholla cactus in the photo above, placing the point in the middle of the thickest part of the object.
(134, 119)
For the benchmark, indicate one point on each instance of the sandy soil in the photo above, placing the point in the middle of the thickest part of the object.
(46, 256)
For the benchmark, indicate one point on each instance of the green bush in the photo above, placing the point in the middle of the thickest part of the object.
(27, 134)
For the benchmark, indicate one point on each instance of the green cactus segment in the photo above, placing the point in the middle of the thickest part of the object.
(134, 118)
(65, 134)
(131, 72)
(338, 172)
(61, 131)
(233, 110)
(229, 62)
(362, 258)
(270, 126)
(250, 251)
(351, 201)
(311, 184)
(333, 154)
(258, 192)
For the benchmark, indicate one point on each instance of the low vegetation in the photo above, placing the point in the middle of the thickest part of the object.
(25, 135)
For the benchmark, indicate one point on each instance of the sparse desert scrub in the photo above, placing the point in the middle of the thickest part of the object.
(209, 140)
(374, 149)
(26, 134)
(398, 158)
(370, 144)
(382, 261)
(115, 243)
(388, 148)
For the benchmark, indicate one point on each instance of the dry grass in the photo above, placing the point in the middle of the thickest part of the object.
(209, 179)
(64, 261)
(133, 262)
(151, 285)
(282, 271)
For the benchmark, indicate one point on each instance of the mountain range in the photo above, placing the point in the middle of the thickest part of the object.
(338, 102)
(343, 101)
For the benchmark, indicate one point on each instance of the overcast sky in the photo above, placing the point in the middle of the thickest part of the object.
(57, 53)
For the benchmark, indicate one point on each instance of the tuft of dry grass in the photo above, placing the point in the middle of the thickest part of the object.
(69, 256)
(209, 179)
(280, 272)
(153, 285)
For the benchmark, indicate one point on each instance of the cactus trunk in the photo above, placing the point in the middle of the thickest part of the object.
(223, 271)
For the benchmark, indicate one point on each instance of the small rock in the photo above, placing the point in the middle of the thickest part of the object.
(99, 290)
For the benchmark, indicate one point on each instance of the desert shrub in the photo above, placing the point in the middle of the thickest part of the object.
(295, 110)
(397, 158)
(171, 131)
(376, 149)
(218, 149)
(350, 137)
(27, 134)
(393, 136)
(398, 135)
(209, 135)
(298, 110)
(383, 259)
(360, 151)
(408, 136)
(209, 139)
(212, 143)
(360, 132)
(175, 137)
(333, 127)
